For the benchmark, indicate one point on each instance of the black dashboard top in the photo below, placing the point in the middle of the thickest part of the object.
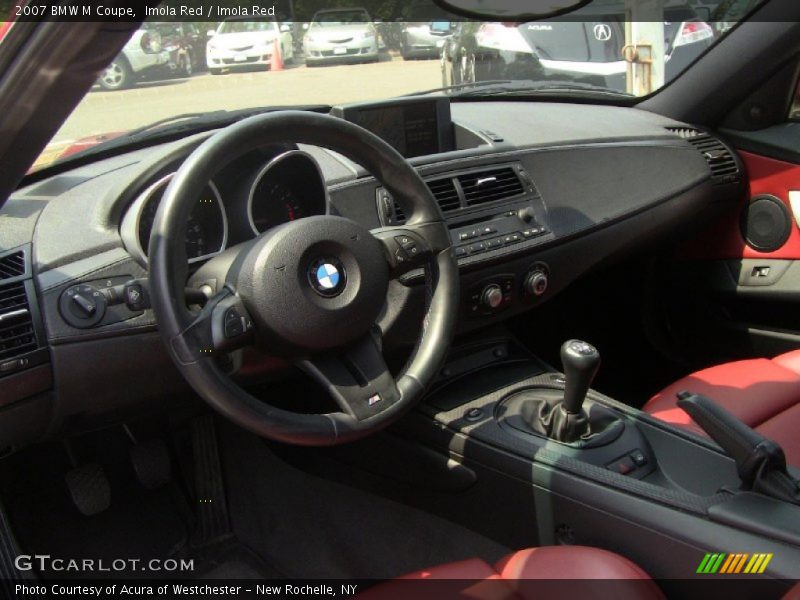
(523, 177)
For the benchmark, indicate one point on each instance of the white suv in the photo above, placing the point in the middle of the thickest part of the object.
(142, 53)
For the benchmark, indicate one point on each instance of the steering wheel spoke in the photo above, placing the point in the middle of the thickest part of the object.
(356, 377)
(223, 325)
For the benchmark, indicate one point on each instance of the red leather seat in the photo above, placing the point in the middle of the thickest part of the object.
(763, 393)
(540, 573)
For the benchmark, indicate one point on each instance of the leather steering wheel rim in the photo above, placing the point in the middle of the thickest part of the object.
(168, 269)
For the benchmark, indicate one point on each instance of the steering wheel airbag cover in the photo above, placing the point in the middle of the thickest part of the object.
(278, 283)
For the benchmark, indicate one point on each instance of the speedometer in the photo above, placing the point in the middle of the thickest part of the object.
(289, 187)
(279, 205)
(206, 227)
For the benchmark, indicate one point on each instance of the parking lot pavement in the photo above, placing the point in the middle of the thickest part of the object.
(148, 101)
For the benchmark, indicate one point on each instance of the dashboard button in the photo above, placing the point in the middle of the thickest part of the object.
(492, 296)
(135, 297)
(639, 458)
(495, 243)
(623, 465)
(234, 326)
(12, 365)
(476, 248)
(460, 251)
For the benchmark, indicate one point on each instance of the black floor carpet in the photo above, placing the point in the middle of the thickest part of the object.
(140, 523)
(286, 522)
(308, 527)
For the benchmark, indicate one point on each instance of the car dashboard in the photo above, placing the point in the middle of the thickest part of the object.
(535, 195)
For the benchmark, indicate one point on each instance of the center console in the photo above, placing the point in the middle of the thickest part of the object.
(599, 472)
(491, 212)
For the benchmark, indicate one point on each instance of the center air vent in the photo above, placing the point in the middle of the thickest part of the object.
(461, 191)
(721, 161)
(490, 185)
(443, 190)
(17, 334)
(12, 265)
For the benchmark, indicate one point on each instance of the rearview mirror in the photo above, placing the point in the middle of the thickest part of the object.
(511, 10)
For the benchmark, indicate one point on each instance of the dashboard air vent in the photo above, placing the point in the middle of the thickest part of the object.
(12, 265)
(17, 334)
(444, 190)
(490, 186)
(721, 161)
(445, 193)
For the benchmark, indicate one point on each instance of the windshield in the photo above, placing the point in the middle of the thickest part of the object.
(167, 70)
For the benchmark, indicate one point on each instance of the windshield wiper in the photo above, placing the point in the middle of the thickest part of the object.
(549, 86)
(524, 87)
(460, 86)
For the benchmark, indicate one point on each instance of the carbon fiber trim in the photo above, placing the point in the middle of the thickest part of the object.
(489, 432)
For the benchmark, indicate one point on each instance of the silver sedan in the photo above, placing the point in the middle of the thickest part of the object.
(339, 35)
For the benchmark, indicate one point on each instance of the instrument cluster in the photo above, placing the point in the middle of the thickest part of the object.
(237, 204)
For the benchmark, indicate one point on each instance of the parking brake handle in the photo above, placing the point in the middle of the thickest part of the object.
(760, 462)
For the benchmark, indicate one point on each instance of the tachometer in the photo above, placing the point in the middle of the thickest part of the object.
(206, 228)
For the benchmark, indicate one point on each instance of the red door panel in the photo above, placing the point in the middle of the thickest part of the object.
(723, 239)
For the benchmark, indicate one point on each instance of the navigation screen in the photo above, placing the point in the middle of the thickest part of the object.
(412, 128)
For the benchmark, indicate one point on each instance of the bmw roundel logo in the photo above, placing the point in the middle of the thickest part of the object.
(327, 276)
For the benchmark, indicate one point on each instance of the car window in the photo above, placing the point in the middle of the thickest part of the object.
(555, 40)
(340, 56)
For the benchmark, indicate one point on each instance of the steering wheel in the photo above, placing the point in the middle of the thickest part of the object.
(310, 290)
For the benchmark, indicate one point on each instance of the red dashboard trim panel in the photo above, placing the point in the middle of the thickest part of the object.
(723, 239)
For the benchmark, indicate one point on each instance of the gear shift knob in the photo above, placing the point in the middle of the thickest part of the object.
(580, 362)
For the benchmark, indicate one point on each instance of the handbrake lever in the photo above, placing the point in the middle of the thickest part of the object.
(760, 462)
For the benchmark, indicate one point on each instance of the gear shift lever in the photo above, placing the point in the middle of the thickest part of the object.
(561, 415)
(580, 361)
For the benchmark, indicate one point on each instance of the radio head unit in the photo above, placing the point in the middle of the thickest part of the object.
(412, 126)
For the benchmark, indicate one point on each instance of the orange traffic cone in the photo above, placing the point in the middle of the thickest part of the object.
(276, 64)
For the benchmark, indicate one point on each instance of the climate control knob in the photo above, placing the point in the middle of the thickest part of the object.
(536, 283)
(492, 296)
